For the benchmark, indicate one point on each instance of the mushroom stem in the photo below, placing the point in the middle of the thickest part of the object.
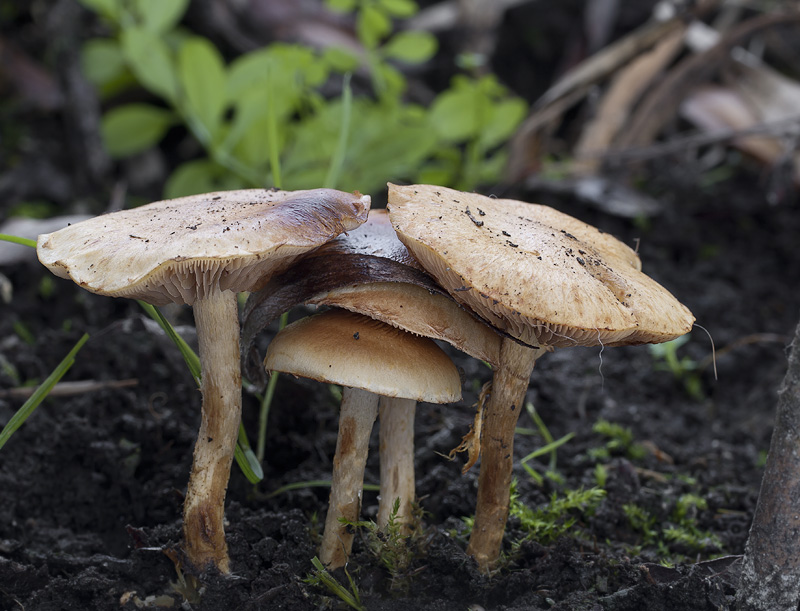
(397, 460)
(509, 385)
(357, 415)
(217, 321)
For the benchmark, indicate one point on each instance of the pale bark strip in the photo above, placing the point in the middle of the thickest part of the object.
(397, 460)
(770, 578)
(356, 419)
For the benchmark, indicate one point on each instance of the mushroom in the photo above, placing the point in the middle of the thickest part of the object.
(200, 251)
(369, 271)
(372, 361)
(545, 278)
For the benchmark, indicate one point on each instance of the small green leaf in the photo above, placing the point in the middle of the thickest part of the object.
(199, 176)
(202, 75)
(102, 60)
(399, 8)
(151, 62)
(411, 47)
(133, 128)
(372, 26)
(160, 16)
(504, 117)
(110, 9)
(341, 6)
(391, 82)
(340, 59)
(454, 114)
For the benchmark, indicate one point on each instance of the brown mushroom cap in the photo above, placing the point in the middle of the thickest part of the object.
(341, 347)
(181, 249)
(542, 276)
(375, 238)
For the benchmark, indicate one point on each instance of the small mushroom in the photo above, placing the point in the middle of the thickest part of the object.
(546, 279)
(373, 361)
(200, 251)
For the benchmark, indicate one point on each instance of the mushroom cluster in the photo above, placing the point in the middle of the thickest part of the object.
(501, 280)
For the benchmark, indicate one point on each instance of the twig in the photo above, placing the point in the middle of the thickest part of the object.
(66, 389)
(681, 144)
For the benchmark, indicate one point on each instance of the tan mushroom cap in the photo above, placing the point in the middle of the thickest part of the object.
(544, 277)
(341, 347)
(181, 249)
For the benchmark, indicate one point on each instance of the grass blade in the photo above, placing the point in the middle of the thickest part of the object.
(337, 161)
(246, 459)
(315, 483)
(189, 355)
(320, 576)
(37, 397)
(17, 240)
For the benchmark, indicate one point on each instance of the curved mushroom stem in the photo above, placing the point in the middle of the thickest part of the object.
(397, 460)
(509, 385)
(217, 320)
(356, 418)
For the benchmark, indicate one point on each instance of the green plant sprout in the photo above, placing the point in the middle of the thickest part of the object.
(393, 550)
(320, 577)
(41, 392)
(550, 447)
(679, 531)
(619, 441)
(685, 370)
(556, 518)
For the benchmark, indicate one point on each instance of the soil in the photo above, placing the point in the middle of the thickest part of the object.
(91, 486)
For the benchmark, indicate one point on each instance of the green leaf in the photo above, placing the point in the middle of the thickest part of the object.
(340, 59)
(110, 9)
(399, 8)
(372, 26)
(151, 61)
(411, 47)
(133, 128)
(341, 6)
(102, 61)
(454, 114)
(202, 75)
(250, 108)
(159, 16)
(199, 176)
(390, 81)
(504, 118)
(41, 392)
